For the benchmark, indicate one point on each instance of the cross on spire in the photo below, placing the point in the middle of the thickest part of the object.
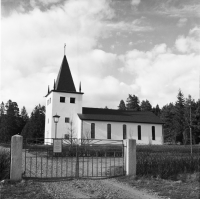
(64, 47)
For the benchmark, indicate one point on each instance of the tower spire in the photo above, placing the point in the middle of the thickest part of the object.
(64, 81)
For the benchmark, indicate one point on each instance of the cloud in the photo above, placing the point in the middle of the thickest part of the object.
(159, 75)
(107, 91)
(32, 51)
(32, 46)
(135, 2)
(136, 25)
(183, 10)
(112, 47)
(182, 22)
(45, 2)
(190, 43)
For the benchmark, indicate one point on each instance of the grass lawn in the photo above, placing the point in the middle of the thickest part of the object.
(24, 189)
(187, 186)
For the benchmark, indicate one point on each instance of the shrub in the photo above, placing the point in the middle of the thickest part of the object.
(4, 164)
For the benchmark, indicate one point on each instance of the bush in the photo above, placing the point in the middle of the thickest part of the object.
(4, 164)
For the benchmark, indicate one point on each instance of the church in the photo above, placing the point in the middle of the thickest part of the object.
(64, 103)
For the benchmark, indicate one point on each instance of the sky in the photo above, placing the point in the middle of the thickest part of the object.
(147, 48)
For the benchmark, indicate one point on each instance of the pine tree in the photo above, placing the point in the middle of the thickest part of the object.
(10, 124)
(23, 119)
(122, 105)
(191, 118)
(35, 126)
(197, 122)
(179, 117)
(24, 114)
(2, 109)
(167, 116)
(132, 103)
(2, 114)
(156, 110)
(145, 106)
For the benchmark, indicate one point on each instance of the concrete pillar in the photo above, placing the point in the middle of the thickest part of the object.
(130, 156)
(16, 158)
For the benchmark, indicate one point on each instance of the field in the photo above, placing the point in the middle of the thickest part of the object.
(4, 162)
(167, 161)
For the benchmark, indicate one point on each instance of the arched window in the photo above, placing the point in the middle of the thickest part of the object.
(139, 132)
(93, 131)
(108, 131)
(124, 131)
(153, 133)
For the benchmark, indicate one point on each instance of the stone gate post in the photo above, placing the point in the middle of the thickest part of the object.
(16, 158)
(130, 156)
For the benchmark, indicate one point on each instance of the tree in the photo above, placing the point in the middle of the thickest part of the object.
(35, 126)
(2, 109)
(192, 120)
(86, 137)
(10, 121)
(179, 117)
(24, 114)
(197, 122)
(2, 113)
(71, 131)
(23, 119)
(122, 105)
(167, 116)
(145, 106)
(156, 110)
(132, 103)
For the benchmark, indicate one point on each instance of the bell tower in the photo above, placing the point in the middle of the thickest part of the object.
(63, 100)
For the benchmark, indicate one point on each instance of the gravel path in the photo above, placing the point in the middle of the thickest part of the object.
(102, 188)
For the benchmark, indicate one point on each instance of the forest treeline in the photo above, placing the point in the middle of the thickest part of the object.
(13, 121)
(178, 117)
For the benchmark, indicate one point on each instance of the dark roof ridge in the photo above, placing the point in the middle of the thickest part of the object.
(133, 118)
(119, 110)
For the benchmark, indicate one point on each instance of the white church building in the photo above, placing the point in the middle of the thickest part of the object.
(94, 123)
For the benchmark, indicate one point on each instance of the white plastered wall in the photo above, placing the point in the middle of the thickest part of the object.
(64, 110)
(132, 131)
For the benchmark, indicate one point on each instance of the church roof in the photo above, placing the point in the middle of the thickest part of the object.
(99, 114)
(64, 80)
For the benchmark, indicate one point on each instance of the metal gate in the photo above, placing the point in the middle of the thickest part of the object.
(75, 158)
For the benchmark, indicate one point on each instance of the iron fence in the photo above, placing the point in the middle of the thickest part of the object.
(78, 158)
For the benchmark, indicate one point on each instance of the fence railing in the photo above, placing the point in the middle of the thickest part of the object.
(77, 158)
